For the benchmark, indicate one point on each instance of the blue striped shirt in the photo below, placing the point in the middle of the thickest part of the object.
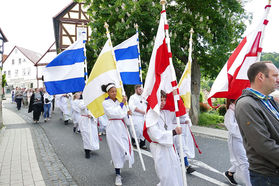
(266, 101)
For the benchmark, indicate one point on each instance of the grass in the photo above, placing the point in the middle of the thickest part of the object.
(212, 120)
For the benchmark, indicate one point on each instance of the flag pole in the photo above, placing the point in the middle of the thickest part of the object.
(175, 95)
(137, 29)
(263, 32)
(84, 41)
(123, 91)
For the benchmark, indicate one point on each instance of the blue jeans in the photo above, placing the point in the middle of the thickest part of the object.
(258, 179)
(46, 110)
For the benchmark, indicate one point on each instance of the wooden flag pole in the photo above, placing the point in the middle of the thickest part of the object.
(124, 94)
(176, 97)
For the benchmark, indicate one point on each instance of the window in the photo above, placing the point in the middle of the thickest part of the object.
(4, 72)
(13, 61)
(9, 73)
(24, 60)
(23, 72)
(16, 72)
(15, 50)
(29, 71)
(19, 61)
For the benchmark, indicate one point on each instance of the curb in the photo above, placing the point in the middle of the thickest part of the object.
(217, 133)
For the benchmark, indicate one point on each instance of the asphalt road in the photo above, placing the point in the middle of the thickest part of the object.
(99, 171)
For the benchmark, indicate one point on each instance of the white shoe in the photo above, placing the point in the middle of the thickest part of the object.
(118, 180)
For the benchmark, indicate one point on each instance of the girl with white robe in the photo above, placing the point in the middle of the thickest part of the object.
(76, 111)
(118, 137)
(166, 160)
(239, 169)
(187, 141)
(65, 106)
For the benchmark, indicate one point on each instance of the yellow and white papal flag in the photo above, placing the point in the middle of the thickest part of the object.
(185, 81)
(103, 72)
(185, 85)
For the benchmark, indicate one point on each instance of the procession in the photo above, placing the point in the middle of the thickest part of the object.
(138, 109)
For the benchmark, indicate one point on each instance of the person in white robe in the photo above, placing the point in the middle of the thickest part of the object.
(166, 160)
(76, 111)
(118, 137)
(103, 122)
(88, 128)
(65, 106)
(138, 105)
(238, 173)
(187, 142)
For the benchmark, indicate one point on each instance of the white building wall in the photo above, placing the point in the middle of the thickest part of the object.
(19, 70)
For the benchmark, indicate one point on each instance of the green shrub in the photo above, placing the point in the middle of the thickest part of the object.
(201, 97)
(222, 110)
(206, 119)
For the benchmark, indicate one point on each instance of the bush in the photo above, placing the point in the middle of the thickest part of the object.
(201, 97)
(204, 107)
(206, 119)
(222, 110)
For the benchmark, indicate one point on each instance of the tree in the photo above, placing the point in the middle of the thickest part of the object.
(218, 26)
(273, 56)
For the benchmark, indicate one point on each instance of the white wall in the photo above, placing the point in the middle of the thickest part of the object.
(20, 71)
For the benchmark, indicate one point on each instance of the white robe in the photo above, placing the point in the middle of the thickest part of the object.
(88, 128)
(137, 101)
(103, 122)
(66, 108)
(237, 152)
(187, 139)
(166, 160)
(118, 137)
(76, 116)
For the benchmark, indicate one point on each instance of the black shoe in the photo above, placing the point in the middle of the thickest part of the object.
(74, 129)
(87, 153)
(190, 170)
(142, 144)
(66, 122)
(230, 178)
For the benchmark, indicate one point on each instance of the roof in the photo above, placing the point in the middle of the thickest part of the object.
(48, 56)
(56, 21)
(31, 55)
(3, 35)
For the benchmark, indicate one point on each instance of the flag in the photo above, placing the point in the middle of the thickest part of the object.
(160, 75)
(127, 58)
(103, 72)
(232, 79)
(184, 85)
(65, 73)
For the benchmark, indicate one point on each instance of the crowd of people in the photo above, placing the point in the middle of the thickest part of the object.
(252, 122)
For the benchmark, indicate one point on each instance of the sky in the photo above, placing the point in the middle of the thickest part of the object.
(28, 23)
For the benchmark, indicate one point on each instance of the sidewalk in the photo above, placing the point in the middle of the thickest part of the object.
(217, 133)
(18, 161)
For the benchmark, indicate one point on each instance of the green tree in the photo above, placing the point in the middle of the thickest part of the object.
(218, 25)
(272, 56)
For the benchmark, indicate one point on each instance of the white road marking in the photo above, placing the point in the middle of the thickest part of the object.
(196, 163)
(209, 179)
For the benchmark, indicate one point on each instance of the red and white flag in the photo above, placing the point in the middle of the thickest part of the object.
(159, 76)
(233, 77)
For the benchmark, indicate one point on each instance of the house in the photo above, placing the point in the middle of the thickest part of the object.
(19, 67)
(45, 59)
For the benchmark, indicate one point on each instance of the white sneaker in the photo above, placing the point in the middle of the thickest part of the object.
(118, 180)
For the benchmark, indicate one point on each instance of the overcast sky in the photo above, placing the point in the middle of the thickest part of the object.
(28, 23)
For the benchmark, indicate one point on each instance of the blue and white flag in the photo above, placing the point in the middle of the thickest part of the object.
(127, 58)
(65, 73)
